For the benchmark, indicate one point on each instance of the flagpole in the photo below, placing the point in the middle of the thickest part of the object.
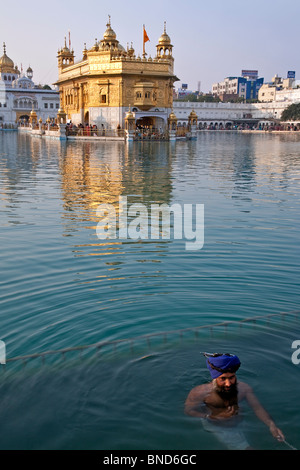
(145, 39)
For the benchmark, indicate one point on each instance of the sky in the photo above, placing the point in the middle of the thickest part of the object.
(212, 39)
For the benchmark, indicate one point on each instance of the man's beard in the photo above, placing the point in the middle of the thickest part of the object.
(226, 393)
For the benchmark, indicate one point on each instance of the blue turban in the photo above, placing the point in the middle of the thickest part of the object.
(221, 363)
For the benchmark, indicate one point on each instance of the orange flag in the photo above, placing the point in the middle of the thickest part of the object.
(146, 38)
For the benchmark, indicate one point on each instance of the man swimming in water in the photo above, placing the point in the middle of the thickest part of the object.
(218, 402)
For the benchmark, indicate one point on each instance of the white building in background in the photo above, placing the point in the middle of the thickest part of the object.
(280, 91)
(19, 95)
(246, 86)
(222, 115)
(269, 91)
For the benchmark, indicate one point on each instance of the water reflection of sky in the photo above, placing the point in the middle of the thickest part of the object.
(51, 191)
(63, 287)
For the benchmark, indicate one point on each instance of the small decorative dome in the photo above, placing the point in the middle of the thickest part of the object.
(109, 34)
(193, 114)
(164, 39)
(84, 52)
(5, 62)
(65, 49)
(129, 114)
(95, 47)
(29, 73)
(193, 118)
(130, 51)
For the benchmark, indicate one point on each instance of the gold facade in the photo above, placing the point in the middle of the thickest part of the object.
(110, 77)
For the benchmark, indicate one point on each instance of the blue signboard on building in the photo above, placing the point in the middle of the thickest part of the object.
(291, 74)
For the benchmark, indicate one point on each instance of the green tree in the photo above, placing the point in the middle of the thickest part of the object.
(292, 113)
(209, 98)
(192, 97)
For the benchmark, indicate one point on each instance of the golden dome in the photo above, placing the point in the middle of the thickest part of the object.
(6, 64)
(5, 60)
(84, 52)
(193, 114)
(109, 34)
(130, 51)
(64, 50)
(95, 47)
(193, 118)
(129, 114)
(164, 38)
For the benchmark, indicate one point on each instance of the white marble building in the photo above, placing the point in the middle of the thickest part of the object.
(19, 95)
(226, 114)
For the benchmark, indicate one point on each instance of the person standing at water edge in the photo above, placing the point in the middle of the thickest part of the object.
(218, 402)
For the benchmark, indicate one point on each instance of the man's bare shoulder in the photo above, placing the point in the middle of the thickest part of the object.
(201, 390)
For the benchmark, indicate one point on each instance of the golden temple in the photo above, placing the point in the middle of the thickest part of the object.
(109, 79)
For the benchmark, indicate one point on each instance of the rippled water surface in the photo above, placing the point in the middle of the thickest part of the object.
(62, 287)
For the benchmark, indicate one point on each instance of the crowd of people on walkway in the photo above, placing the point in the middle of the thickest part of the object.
(248, 127)
(89, 130)
(150, 133)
